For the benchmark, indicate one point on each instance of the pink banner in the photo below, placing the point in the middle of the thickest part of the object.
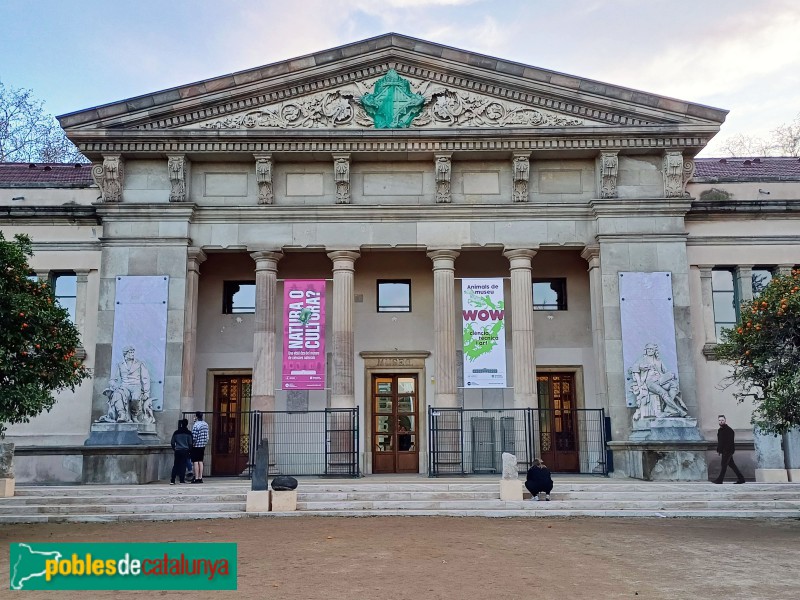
(303, 334)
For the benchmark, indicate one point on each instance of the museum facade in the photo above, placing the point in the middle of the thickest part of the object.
(441, 249)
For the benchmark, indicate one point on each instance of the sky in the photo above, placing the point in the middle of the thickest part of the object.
(742, 56)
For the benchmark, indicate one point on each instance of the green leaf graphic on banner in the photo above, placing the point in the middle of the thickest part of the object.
(482, 340)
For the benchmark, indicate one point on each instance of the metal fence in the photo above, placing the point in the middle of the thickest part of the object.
(464, 441)
(323, 442)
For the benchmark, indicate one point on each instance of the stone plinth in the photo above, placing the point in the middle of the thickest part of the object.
(510, 489)
(257, 501)
(770, 462)
(127, 464)
(7, 487)
(122, 434)
(791, 449)
(660, 460)
(671, 429)
(284, 501)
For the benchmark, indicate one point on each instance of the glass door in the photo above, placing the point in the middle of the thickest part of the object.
(395, 434)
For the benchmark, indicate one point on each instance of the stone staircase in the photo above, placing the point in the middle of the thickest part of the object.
(591, 497)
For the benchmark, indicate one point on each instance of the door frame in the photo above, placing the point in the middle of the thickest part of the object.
(577, 371)
(395, 362)
(211, 374)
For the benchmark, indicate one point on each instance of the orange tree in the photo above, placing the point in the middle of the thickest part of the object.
(37, 339)
(763, 350)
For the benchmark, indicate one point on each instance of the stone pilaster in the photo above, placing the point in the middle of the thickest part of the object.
(707, 308)
(195, 257)
(591, 254)
(263, 391)
(443, 168)
(522, 337)
(444, 327)
(178, 169)
(343, 385)
(521, 170)
(81, 295)
(264, 178)
(744, 279)
(110, 177)
(341, 175)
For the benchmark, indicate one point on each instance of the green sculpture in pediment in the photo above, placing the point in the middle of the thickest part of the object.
(392, 105)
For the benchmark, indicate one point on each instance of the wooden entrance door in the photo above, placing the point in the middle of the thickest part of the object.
(395, 424)
(230, 425)
(558, 431)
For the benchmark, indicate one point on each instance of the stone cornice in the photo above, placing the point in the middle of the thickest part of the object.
(57, 215)
(739, 240)
(732, 208)
(632, 238)
(62, 246)
(535, 211)
(407, 55)
(145, 241)
(129, 211)
(640, 207)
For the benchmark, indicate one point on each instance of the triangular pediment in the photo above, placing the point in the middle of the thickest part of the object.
(453, 88)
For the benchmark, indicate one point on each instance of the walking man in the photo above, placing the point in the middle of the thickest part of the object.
(199, 441)
(726, 447)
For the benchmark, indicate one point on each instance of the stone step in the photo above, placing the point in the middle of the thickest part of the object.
(151, 499)
(166, 508)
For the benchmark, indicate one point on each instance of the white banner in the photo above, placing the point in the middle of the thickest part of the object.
(140, 325)
(484, 333)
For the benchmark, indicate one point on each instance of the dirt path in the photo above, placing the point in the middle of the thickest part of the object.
(464, 558)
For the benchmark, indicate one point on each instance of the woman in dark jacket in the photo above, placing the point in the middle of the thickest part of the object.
(181, 443)
(539, 480)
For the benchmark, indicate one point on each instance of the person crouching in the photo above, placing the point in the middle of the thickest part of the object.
(539, 480)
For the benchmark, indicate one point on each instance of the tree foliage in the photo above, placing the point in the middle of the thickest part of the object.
(28, 133)
(37, 339)
(783, 141)
(763, 350)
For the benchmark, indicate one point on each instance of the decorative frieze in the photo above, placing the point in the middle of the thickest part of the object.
(264, 178)
(110, 177)
(341, 175)
(178, 168)
(609, 166)
(677, 173)
(434, 106)
(443, 168)
(521, 169)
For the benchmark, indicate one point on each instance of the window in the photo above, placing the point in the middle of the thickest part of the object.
(238, 297)
(725, 299)
(394, 295)
(65, 286)
(549, 294)
(761, 278)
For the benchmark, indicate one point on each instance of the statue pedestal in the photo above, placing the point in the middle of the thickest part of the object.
(661, 460)
(121, 434)
(125, 453)
(667, 429)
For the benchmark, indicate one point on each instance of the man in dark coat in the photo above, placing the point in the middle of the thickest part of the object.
(181, 443)
(726, 447)
(539, 480)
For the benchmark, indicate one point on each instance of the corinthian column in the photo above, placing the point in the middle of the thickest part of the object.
(193, 260)
(263, 390)
(444, 327)
(522, 327)
(343, 388)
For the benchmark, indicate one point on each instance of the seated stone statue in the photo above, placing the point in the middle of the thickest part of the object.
(128, 393)
(656, 389)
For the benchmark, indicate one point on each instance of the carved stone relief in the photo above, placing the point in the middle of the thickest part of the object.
(435, 106)
(110, 177)
(178, 167)
(609, 165)
(673, 172)
(341, 175)
(443, 170)
(264, 178)
(521, 169)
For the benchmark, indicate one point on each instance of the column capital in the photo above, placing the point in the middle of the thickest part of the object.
(784, 269)
(705, 271)
(443, 259)
(591, 254)
(194, 258)
(520, 258)
(266, 260)
(344, 259)
(81, 275)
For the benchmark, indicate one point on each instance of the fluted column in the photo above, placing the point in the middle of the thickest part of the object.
(195, 256)
(522, 327)
(444, 327)
(343, 385)
(591, 254)
(263, 390)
